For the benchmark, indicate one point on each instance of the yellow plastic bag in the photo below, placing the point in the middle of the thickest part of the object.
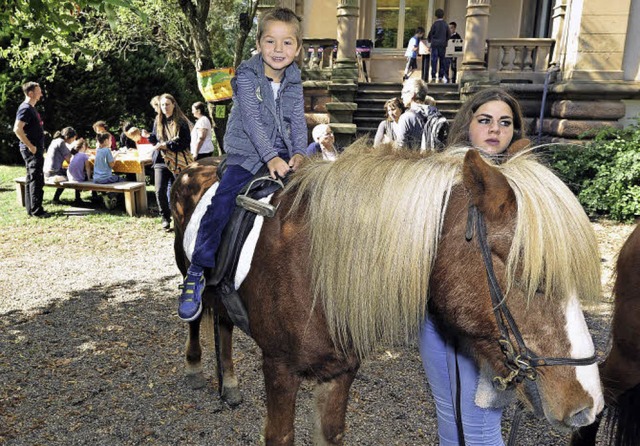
(215, 84)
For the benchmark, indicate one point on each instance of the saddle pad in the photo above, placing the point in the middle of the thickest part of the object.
(191, 232)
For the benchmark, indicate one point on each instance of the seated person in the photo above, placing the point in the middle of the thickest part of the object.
(101, 127)
(58, 152)
(103, 164)
(125, 141)
(323, 143)
(138, 136)
(80, 167)
(388, 128)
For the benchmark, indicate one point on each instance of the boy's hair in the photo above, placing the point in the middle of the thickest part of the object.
(439, 13)
(419, 30)
(28, 87)
(454, 24)
(99, 124)
(133, 133)
(281, 15)
(103, 137)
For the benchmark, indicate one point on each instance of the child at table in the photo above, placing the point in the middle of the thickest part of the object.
(79, 167)
(103, 164)
(101, 127)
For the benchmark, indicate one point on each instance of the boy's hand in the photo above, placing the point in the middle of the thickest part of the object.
(277, 166)
(296, 161)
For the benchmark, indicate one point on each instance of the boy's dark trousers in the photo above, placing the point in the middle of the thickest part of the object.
(437, 62)
(217, 215)
(34, 184)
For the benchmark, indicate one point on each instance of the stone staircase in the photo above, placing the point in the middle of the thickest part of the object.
(372, 96)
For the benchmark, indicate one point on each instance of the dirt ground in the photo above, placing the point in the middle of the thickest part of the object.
(93, 355)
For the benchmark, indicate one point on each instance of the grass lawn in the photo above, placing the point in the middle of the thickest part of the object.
(13, 216)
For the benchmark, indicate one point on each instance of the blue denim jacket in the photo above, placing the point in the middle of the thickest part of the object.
(255, 119)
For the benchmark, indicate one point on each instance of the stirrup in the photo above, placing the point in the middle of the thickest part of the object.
(257, 206)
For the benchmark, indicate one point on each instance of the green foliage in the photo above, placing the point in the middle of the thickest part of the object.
(119, 90)
(605, 174)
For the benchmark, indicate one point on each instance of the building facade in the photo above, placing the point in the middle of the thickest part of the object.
(582, 56)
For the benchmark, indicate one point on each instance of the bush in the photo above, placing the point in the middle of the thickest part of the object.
(604, 174)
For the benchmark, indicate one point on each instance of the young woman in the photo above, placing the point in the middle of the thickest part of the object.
(387, 130)
(490, 121)
(201, 143)
(171, 132)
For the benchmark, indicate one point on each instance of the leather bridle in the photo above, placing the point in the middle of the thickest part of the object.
(520, 360)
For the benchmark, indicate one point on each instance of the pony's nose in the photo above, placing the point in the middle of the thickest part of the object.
(581, 417)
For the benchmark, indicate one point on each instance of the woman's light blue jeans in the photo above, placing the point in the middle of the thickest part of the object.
(481, 427)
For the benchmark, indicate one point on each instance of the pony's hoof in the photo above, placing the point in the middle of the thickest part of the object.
(231, 396)
(196, 381)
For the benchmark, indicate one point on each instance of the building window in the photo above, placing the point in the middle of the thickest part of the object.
(397, 20)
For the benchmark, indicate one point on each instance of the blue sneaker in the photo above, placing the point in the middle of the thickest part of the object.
(190, 301)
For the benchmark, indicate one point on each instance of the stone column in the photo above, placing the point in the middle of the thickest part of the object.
(347, 30)
(472, 68)
(344, 77)
(557, 30)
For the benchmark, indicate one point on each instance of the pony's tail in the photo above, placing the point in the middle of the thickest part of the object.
(622, 420)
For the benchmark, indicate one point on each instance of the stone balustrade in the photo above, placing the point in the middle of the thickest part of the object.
(515, 60)
(317, 57)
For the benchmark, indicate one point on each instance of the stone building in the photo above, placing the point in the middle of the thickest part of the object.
(581, 56)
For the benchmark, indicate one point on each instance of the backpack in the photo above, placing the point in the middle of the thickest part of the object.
(435, 131)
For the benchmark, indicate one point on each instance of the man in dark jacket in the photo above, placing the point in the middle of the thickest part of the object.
(438, 37)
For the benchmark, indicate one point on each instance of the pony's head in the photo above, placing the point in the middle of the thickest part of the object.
(545, 257)
(389, 231)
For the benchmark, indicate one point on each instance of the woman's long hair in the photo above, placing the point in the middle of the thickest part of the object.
(169, 128)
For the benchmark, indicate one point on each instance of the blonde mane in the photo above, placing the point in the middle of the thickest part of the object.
(375, 217)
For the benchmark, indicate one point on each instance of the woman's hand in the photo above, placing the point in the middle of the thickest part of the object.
(296, 161)
(277, 167)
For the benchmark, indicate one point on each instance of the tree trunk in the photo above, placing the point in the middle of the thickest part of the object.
(245, 29)
(196, 15)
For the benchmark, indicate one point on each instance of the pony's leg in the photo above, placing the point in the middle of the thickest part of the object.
(230, 391)
(586, 435)
(281, 388)
(193, 357)
(331, 407)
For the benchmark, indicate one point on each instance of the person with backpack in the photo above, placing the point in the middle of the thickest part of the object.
(421, 127)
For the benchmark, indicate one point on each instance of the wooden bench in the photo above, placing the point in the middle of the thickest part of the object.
(130, 189)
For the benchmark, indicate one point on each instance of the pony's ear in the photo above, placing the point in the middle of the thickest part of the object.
(489, 189)
(517, 146)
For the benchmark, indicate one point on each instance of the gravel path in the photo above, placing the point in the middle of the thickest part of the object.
(91, 353)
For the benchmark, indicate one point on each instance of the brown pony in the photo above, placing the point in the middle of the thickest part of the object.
(360, 246)
(620, 372)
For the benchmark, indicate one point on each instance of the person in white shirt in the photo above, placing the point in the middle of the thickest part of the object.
(201, 143)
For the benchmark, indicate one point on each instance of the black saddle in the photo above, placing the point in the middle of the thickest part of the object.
(221, 277)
